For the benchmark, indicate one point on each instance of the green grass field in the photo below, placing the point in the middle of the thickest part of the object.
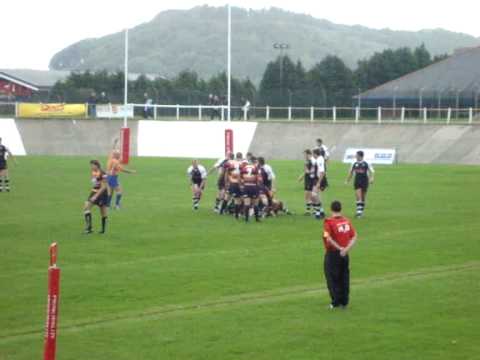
(167, 283)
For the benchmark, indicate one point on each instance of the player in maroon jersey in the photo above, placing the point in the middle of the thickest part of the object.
(220, 166)
(232, 185)
(249, 177)
(264, 196)
(98, 196)
(339, 236)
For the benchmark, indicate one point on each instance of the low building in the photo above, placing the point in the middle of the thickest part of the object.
(35, 85)
(453, 82)
(25, 84)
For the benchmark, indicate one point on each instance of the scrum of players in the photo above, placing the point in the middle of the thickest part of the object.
(246, 186)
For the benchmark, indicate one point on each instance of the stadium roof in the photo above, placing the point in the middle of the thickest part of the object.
(458, 73)
(34, 78)
(46, 79)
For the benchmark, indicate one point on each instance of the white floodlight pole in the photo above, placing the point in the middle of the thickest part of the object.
(229, 67)
(125, 92)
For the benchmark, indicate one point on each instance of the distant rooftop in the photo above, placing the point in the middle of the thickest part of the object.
(458, 73)
(45, 79)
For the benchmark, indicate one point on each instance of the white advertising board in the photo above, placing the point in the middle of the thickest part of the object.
(372, 156)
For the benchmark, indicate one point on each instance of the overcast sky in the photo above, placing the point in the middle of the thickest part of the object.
(32, 31)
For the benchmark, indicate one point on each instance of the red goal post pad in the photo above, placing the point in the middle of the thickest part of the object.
(50, 346)
(125, 144)
(228, 141)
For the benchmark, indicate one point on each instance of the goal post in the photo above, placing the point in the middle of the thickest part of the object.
(50, 346)
(228, 141)
(125, 145)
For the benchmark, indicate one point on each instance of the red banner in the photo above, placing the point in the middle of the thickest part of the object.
(52, 313)
(125, 145)
(228, 141)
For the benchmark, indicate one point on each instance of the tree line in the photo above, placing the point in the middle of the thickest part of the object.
(284, 83)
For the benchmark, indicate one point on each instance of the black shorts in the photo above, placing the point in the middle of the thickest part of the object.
(308, 183)
(323, 183)
(102, 200)
(268, 185)
(3, 165)
(197, 182)
(250, 191)
(263, 190)
(234, 190)
(361, 184)
(221, 183)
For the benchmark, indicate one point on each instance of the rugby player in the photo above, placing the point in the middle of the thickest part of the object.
(319, 174)
(220, 167)
(249, 179)
(232, 185)
(114, 168)
(321, 146)
(364, 176)
(266, 186)
(266, 171)
(198, 178)
(308, 177)
(4, 179)
(98, 196)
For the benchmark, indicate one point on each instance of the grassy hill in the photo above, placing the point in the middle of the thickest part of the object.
(195, 39)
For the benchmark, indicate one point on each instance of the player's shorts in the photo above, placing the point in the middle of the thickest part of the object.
(234, 190)
(221, 183)
(361, 184)
(250, 191)
(197, 182)
(102, 200)
(112, 181)
(263, 190)
(268, 185)
(3, 165)
(323, 183)
(309, 183)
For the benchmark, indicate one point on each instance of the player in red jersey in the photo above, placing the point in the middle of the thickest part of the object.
(339, 237)
(249, 177)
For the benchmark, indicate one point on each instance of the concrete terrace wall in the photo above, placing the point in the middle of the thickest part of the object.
(456, 144)
(71, 137)
(415, 143)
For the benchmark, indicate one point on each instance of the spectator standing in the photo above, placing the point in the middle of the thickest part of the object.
(148, 108)
(92, 104)
(339, 237)
(103, 98)
(246, 109)
(216, 111)
(210, 103)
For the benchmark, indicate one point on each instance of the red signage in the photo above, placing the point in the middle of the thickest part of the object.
(228, 141)
(125, 145)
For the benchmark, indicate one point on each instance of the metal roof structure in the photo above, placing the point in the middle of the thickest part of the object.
(458, 74)
(39, 80)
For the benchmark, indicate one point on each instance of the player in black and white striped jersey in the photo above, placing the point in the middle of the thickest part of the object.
(198, 178)
(319, 181)
(364, 176)
(4, 179)
(324, 148)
